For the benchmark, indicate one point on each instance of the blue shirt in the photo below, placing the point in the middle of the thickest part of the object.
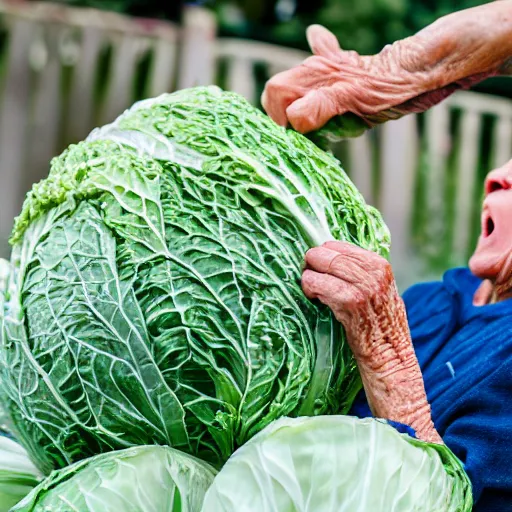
(465, 354)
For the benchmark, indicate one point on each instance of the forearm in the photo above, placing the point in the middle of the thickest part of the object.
(391, 375)
(400, 396)
(486, 29)
(456, 52)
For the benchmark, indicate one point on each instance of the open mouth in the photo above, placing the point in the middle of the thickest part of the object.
(488, 226)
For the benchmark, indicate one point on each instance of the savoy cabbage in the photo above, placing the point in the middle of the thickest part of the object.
(153, 295)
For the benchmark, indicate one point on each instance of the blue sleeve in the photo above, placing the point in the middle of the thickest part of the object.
(403, 429)
(480, 436)
(430, 312)
(420, 295)
(494, 500)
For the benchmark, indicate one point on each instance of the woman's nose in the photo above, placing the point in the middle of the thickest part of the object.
(500, 179)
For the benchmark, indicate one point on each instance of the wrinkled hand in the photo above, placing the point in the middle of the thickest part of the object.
(359, 287)
(409, 76)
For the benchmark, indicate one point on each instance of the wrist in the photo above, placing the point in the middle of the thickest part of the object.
(475, 42)
(384, 327)
(401, 397)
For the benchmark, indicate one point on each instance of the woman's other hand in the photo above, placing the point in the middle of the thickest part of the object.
(412, 75)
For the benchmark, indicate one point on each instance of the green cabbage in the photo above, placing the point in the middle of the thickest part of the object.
(338, 128)
(339, 464)
(154, 291)
(140, 479)
(17, 473)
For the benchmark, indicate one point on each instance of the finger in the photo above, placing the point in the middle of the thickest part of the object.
(330, 291)
(346, 248)
(312, 111)
(323, 287)
(483, 294)
(326, 261)
(323, 42)
(283, 89)
(275, 105)
(364, 256)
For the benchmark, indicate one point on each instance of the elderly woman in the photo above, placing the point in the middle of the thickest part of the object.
(440, 358)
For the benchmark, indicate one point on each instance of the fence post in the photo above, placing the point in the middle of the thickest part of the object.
(241, 78)
(80, 109)
(467, 175)
(398, 163)
(197, 57)
(45, 118)
(13, 124)
(360, 152)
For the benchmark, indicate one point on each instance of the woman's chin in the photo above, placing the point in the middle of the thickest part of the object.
(485, 265)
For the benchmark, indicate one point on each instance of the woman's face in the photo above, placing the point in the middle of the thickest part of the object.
(493, 256)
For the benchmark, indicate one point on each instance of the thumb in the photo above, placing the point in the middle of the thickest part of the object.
(483, 294)
(312, 111)
(322, 42)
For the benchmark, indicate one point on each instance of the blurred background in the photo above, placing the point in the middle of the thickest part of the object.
(69, 66)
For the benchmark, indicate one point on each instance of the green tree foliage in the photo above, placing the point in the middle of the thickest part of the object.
(144, 8)
(365, 25)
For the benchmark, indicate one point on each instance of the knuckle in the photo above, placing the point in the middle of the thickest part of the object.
(382, 267)
(337, 263)
(309, 283)
(355, 299)
(270, 89)
(278, 83)
(354, 57)
(307, 277)
(311, 61)
(301, 117)
(310, 254)
(309, 119)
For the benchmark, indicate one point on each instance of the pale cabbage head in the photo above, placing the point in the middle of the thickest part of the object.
(339, 464)
(139, 479)
(154, 295)
(18, 475)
